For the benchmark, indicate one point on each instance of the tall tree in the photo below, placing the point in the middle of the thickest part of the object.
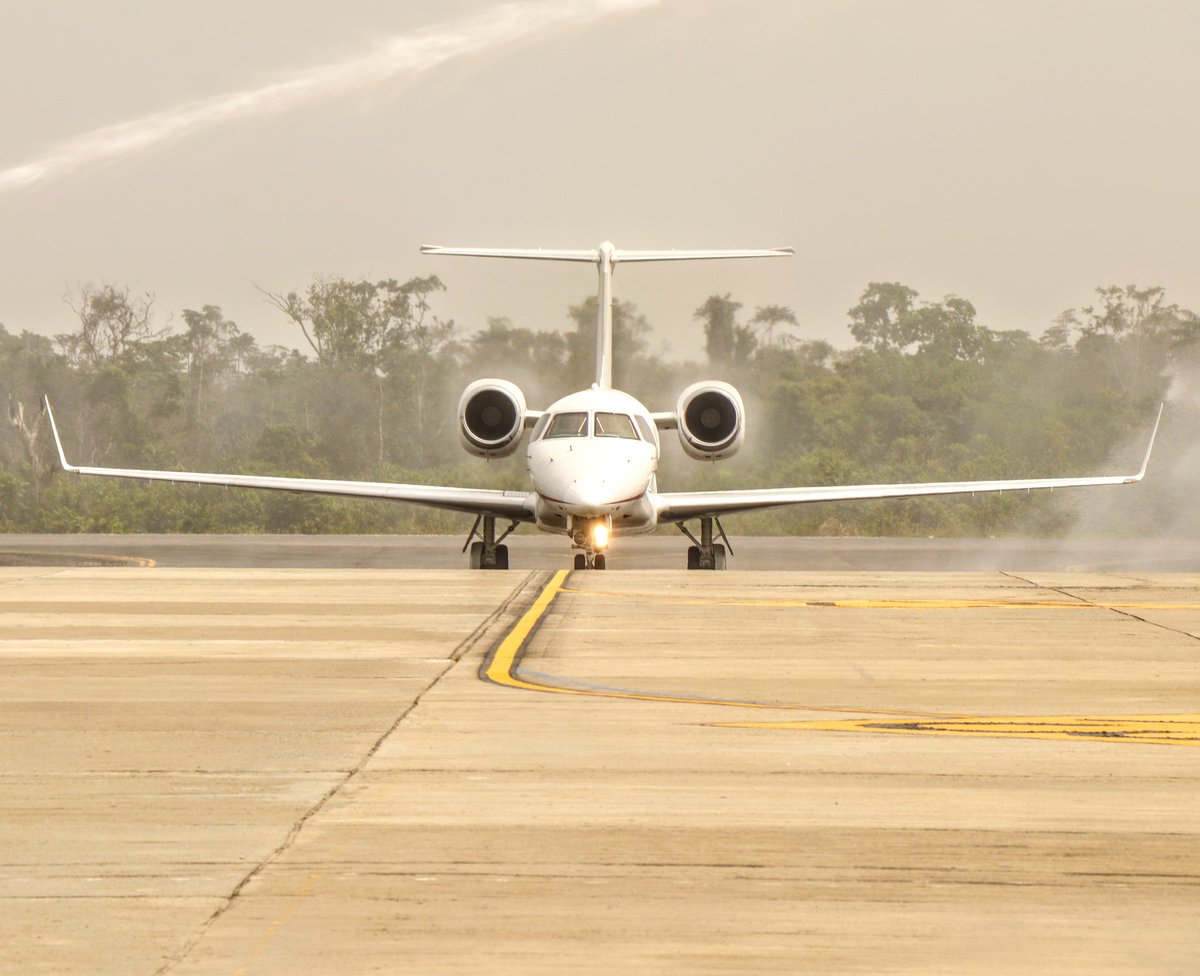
(209, 354)
(767, 317)
(725, 341)
(630, 346)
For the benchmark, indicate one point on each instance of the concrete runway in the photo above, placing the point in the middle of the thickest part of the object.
(342, 771)
(533, 550)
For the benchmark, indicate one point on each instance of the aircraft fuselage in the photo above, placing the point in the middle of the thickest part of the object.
(592, 459)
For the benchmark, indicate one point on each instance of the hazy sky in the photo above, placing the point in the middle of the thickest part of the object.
(1015, 153)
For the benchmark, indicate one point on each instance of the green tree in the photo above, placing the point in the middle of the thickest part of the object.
(113, 327)
(209, 357)
(768, 317)
(725, 341)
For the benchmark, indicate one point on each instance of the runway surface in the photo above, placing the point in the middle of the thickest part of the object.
(531, 550)
(330, 771)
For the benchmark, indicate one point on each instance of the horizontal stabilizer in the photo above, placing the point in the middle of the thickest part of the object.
(511, 252)
(769, 252)
(605, 257)
(596, 256)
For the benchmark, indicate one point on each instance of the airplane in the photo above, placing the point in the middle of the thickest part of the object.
(592, 455)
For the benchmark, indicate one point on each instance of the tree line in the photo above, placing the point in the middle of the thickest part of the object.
(926, 393)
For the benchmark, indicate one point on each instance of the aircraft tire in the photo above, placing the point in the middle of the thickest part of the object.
(501, 557)
(476, 559)
(719, 556)
(693, 561)
(580, 561)
(599, 561)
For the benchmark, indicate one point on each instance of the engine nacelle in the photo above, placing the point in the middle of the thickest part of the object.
(712, 420)
(491, 416)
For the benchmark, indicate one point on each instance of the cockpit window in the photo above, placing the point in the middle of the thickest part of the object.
(568, 425)
(615, 425)
(540, 426)
(647, 431)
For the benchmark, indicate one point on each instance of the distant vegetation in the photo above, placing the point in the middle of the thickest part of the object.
(926, 394)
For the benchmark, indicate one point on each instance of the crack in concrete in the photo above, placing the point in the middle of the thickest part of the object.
(1100, 606)
(527, 588)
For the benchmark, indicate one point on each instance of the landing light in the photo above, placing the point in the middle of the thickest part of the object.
(600, 535)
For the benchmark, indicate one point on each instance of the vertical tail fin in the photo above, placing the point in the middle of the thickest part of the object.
(604, 257)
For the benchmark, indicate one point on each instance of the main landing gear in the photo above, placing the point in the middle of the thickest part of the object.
(707, 554)
(488, 553)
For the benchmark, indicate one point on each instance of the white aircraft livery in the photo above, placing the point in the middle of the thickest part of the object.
(592, 455)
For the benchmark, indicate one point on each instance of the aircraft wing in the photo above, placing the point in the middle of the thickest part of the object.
(515, 505)
(680, 506)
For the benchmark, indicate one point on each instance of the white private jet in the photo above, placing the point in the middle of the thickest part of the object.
(592, 455)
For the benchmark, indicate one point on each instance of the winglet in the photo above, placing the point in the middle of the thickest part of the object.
(62, 457)
(1150, 447)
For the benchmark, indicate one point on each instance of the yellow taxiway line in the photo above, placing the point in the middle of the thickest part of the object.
(1168, 730)
(650, 599)
(502, 667)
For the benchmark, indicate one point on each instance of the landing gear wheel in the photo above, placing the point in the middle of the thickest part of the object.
(499, 557)
(598, 562)
(580, 561)
(488, 552)
(718, 557)
(693, 557)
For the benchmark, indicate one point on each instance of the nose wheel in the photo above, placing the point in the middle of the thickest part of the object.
(589, 560)
(706, 553)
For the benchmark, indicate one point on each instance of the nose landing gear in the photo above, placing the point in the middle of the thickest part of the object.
(589, 560)
(705, 553)
(591, 535)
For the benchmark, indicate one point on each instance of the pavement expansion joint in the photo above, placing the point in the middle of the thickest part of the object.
(481, 633)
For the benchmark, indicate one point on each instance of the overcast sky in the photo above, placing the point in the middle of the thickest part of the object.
(1015, 153)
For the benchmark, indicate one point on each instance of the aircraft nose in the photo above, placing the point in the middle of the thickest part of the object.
(600, 493)
(590, 493)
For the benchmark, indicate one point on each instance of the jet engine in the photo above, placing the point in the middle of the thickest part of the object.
(491, 416)
(712, 420)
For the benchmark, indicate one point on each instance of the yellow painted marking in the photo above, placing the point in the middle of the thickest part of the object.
(82, 559)
(503, 669)
(1169, 730)
(651, 599)
(293, 903)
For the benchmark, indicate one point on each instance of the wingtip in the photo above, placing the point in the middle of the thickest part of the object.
(62, 456)
(1150, 447)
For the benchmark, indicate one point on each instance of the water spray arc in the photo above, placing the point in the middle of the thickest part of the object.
(396, 58)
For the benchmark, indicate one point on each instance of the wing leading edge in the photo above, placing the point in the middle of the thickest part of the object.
(516, 505)
(680, 506)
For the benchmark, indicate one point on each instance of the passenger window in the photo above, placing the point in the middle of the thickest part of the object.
(615, 425)
(568, 425)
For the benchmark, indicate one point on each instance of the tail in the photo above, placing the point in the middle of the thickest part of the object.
(604, 257)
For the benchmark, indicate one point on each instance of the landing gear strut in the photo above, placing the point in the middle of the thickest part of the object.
(488, 553)
(707, 554)
(590, 534)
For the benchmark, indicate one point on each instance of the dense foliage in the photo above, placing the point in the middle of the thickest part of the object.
(926, 394)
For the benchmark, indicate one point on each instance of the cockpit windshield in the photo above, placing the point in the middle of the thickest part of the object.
(568, 425)
(615, 425)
